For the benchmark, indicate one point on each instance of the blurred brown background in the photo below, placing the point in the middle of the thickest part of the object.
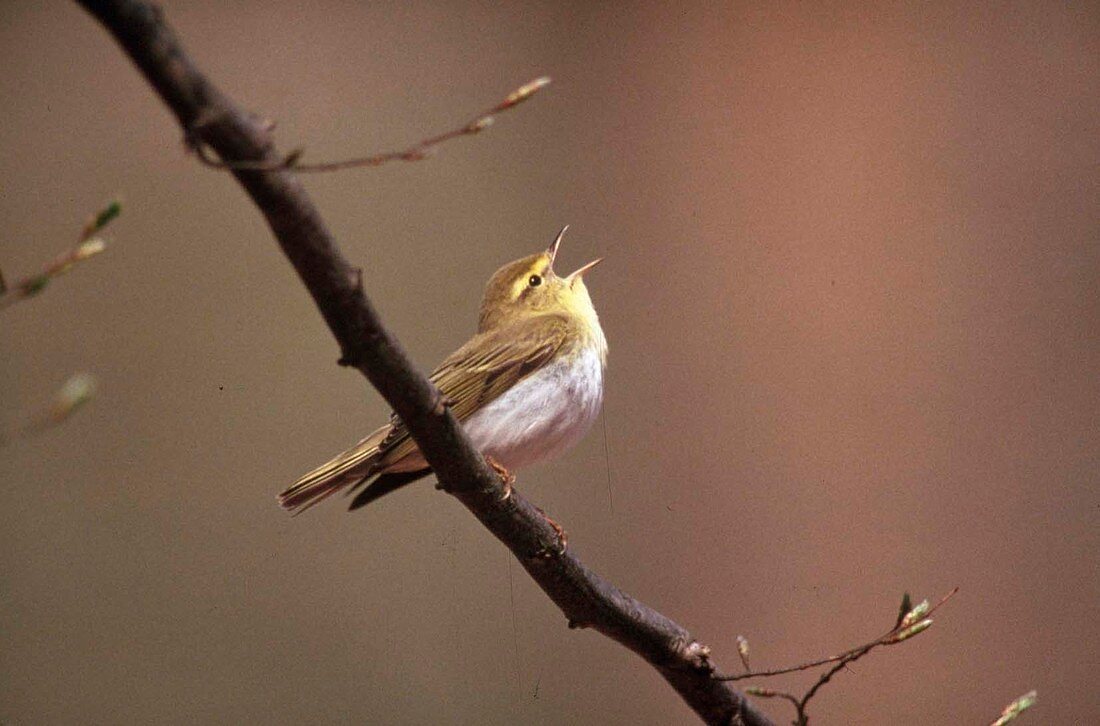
(851, 297)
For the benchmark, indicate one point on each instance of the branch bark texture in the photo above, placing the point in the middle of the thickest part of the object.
(587, 600)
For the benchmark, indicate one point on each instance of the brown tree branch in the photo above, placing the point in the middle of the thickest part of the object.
(586, 599)
(417, 152)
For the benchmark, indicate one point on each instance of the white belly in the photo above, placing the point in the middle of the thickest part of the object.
(542, 415)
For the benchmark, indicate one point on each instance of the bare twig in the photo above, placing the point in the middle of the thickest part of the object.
(585, 598)
(761, 692)
(88, 246)
(912, 621)
(888, 638)
(417, 152)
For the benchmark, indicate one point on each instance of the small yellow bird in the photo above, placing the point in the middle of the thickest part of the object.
(526, 387)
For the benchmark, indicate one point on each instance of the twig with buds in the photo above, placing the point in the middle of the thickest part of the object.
(417, 152)
(88, 246)
(911, 621)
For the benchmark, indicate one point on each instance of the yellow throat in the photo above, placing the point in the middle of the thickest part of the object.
(529, 287)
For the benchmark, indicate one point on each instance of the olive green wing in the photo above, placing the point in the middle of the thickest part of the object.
(484, 368)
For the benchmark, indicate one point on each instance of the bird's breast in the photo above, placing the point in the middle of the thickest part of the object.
(545, 413)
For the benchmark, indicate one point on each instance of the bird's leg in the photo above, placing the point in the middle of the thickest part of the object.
(507, 478)
(563, 540)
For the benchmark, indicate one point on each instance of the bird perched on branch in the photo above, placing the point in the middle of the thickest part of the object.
(526, 387)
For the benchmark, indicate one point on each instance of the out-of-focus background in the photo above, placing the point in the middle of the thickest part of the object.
(851, 297)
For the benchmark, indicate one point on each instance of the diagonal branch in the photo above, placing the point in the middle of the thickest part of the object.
(419, 151)
(586, 599)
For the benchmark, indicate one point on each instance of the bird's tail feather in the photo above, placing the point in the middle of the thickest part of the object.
(353, 466)
(385, 484)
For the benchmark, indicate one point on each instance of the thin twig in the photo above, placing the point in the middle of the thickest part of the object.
(417, 152)
(760, 692)
(884, 639)
(910, 622)
(87, 246)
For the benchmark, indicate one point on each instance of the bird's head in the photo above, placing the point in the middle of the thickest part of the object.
(529, 286)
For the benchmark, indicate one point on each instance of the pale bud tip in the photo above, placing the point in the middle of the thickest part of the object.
(742, 645)
(915, 614)
(89, 248)
(1014, 709)
(481, 124)
(913, 630)
(78, 390)
(525, 91)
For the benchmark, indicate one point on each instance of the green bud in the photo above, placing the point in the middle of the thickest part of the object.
(35, 285)
(108, 213)
(913, 630)
(915, 614)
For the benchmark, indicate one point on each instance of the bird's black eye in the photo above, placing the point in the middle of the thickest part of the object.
(534, 281)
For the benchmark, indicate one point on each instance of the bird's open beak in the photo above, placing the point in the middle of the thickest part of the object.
(576, 275)
(552, 250)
